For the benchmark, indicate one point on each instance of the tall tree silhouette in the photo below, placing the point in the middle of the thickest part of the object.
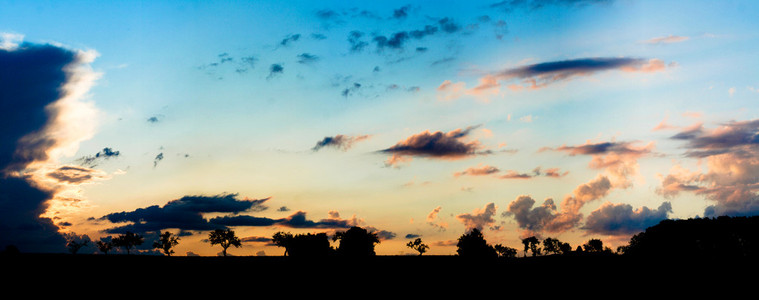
(302, 245)
(356, 242)
(225, 238)
(555, 246)
(165, 242)
(75, 242)
(531, 243)
(418, 245)
(474, 245)
(128, 240)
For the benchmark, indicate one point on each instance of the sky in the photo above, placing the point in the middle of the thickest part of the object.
(574, 120)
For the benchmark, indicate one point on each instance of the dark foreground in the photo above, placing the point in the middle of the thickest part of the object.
(452, 273)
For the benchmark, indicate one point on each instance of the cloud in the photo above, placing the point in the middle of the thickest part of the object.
(289, 40)
(732, 179)
(621, 220)
(186, 213)
(401, 13)
(75, 175)
(509, 5)
(306, 58)
(667, 40)
(618, 159)
(339, 141)
(42, 118)
(274, 70)
(157, 159)
(432, 220)
(299, 220)
(479, 218)
(540, 75)
(478, 171)
(532, 219)
(93, 160)
(356, 42)
(437, 145)
(729, 137)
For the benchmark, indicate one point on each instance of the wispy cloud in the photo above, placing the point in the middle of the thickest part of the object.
(438, 145)
(342, 142)
(667, 40)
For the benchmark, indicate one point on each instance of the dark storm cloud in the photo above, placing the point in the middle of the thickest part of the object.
(299, 220)
(31, 78)
(93, 160)
(185, 213)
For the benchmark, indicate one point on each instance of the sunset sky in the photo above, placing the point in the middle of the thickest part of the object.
(567, 119)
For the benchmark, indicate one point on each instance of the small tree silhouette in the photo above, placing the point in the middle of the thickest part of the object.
(531, 243)
(473, 245)
(75, 242)
(594, 246)
(418, 246)
(283, 239)
(166, 242)
(225, 238)
(128, 240)
(104, 246)
(356, 242)
(505, 251)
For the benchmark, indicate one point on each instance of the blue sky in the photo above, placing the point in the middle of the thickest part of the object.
(438, 117)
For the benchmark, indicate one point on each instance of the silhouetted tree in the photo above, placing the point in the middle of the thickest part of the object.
(418, 246)
(356, 242)
(225, 238)
(166, 241)
(75, 242)
(128, 240)
(555, 246)
(531, 243)
(473, 245)
(302, 245)
(104, 246)
(505, 251)
(734, 237)
(594, 246)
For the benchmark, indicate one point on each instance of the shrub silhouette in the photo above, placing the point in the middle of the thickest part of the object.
(356, 242)
(225, 238)
(473, 245)
(128, 240)
(104, 245)
(505, 251)
(593, 246)
(303, 245)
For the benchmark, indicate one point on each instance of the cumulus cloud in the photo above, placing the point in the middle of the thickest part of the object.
(622, 220)
(342, 142)
(432, 220)
(531, 219)
(42, 118)
(437, 145)
(618, 159)
(479, 218)
(732, 177)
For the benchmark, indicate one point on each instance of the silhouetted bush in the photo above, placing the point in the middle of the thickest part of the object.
(473, 245)
(719, 237)
(356, 242)
(303, 245)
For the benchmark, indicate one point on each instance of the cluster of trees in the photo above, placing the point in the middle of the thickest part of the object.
(473, 244)
(723, 236)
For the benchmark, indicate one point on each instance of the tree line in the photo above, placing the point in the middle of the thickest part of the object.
(722, 236)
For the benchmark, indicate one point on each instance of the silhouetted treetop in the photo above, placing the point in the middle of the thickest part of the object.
(474, 245)
(356, 242)
(128, 240)
(707, 237)
(303, 245)
(225, 238)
